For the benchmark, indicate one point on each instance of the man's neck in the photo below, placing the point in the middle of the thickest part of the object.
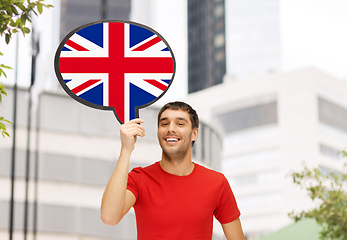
(179, 168)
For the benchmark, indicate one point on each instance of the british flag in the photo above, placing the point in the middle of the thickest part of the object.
(117, 65)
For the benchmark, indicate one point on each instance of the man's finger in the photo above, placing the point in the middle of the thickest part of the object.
(136, 131)
(136, 120)
(133, 126)
(132, 129)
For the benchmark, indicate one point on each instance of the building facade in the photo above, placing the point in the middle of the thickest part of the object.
(270, 126)
(75, 13)
(206, 44)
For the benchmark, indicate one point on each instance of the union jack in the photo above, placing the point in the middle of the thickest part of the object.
(117, 65)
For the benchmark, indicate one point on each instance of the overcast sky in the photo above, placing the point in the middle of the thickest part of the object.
(314, 33)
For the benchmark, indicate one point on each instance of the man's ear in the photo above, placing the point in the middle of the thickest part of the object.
(195, 134)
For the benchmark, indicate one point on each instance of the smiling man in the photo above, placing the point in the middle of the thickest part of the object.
(173, 198)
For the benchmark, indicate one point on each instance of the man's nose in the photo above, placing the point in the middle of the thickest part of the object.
(172, 127)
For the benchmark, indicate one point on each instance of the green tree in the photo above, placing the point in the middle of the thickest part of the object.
(14, 15)
(328, 191)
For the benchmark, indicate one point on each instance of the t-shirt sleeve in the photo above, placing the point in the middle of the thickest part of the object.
(134, 182)
(227, 210)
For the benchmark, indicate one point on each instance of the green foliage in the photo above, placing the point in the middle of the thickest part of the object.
(329, 192)
(14, 15)
(2, 92)
(2, 72)
(3, 129)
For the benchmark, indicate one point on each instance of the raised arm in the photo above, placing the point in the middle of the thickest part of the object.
(117, 200)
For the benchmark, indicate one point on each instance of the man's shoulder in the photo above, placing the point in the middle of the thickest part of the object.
(210, 173)
(148, 168)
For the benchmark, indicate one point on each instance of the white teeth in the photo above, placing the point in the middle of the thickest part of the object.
(171, 139)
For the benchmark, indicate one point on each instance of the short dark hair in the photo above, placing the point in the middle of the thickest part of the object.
(193, 116)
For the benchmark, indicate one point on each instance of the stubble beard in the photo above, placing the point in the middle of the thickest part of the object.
(177, 156)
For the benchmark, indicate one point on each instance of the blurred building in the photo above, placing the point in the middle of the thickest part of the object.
(77, 149)
(206, 44)
(270, 126)
(253, 39)
(169, 19)
(75, 13)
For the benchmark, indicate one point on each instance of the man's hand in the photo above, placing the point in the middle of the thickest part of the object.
(129, 132)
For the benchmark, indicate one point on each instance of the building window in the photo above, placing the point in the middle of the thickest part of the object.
(325, 171)
(219, 57)
(332, 114)
(257, 178)
(249, 117)
(219, 40)
(219, 11)
(330, 152)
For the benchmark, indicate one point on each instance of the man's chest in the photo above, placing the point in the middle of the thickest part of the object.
(183, 203)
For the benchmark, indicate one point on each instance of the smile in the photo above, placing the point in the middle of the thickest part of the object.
(171, 139)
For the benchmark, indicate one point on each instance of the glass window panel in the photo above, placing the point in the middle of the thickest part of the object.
(249, 117)
(332, 114)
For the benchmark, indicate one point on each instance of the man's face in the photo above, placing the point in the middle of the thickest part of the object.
(175, 133)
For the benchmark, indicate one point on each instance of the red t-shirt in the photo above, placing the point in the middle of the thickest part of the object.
(180, 207)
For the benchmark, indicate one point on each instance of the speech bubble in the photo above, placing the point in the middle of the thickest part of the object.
(115, 65)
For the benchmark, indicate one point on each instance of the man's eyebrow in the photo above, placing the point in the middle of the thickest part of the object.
(182, 119)
(178, 118)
